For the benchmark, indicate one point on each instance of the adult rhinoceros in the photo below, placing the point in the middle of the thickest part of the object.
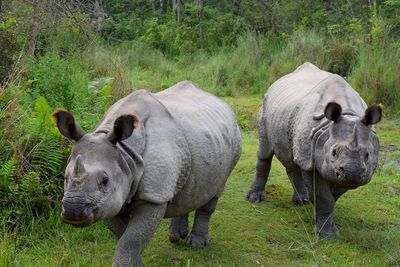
(321, 131)
(152, 156)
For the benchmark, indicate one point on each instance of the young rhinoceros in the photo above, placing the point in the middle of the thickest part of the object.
(321, 131)
(152, 156)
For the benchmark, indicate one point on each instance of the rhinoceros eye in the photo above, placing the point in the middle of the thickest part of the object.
(334, 152)
(366, 156)
(104, 181)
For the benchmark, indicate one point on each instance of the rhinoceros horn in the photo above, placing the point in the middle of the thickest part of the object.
(354, 137)
(79, 168)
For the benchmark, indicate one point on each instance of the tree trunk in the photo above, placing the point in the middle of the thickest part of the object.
(153, 6)
(373, 6)
(179, 11)
(202, 18)
(35, 28)
(173, 5)
(328, 5)
(162, 4)
(98, 14)
(237, 4)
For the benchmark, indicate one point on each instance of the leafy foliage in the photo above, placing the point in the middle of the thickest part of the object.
(8, 47)
(87, 57)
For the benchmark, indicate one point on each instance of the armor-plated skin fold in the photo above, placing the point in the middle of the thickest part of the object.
(321, 130)
(152, 156)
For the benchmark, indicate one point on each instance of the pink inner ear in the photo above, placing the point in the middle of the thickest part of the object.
(56, 112)
(136, 120)
(66, 124)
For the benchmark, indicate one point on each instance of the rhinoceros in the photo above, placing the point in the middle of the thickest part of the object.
(152, 156)
(322, 132)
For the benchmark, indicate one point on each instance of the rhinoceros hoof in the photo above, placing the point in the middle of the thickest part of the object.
(255, 196)
(175, 236)
(300, 201)
(198, 241)
(327, 231)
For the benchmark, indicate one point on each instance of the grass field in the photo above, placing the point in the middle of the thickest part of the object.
(272, 233)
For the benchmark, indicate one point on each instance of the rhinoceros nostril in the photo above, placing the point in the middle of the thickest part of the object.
(341, 169)
(76, 211)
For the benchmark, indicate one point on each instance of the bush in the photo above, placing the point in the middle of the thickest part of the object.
(342, 57)
(30, 180)
(375, 75)
(8, 48)
(102, 64)
(33, 155)
(302, 46)
(62, 82)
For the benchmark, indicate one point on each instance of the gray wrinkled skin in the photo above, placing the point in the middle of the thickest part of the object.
(321, 131)
(184, 145)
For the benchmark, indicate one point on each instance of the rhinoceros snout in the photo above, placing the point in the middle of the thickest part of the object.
(77, 212)
(351, 174)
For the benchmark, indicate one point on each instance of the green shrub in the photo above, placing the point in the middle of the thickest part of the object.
(376, 75)
(302, 46)
(61, 81)
(30, 180)
(8, 47)
(342, 57)
(106, 64)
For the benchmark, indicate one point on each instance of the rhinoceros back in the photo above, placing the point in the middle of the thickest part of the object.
(213, 137)
(292, 105)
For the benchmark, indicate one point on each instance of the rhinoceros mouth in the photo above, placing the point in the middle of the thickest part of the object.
(79, 223)
(350, 183)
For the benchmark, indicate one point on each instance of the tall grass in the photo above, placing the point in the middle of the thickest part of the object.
(376, 75)
(252, 65)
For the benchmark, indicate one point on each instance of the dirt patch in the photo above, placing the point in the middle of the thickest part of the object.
(389, 148)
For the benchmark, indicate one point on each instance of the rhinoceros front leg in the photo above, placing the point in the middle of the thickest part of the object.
(179, 228)
(117, 224)
(142, 224)
(300, 194)
(324, 203)
(199, 236)
(338, 191)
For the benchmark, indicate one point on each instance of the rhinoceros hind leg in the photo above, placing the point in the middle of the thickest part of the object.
(178, 229)
(199, 236)
(256, 191)
(265, 153)
(300, 192)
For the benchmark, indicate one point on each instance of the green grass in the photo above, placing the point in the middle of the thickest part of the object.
(274, 232)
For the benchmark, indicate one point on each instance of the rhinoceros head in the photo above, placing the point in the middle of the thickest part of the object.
(98, 179)
(348, 155)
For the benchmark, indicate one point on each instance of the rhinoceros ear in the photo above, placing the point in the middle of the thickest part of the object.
(123, 127)
(333, 111)
(373, 114)
(66, 124)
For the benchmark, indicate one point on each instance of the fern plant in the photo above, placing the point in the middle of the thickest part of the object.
(7, 170)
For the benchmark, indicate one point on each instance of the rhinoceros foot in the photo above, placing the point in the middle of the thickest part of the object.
(179, 229)
(327, 230)
(198, 241)
(300, 200)
(178, 235)
(255, 196)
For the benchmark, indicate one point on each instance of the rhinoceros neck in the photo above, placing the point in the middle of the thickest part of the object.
(136, 166)
(140, 102)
